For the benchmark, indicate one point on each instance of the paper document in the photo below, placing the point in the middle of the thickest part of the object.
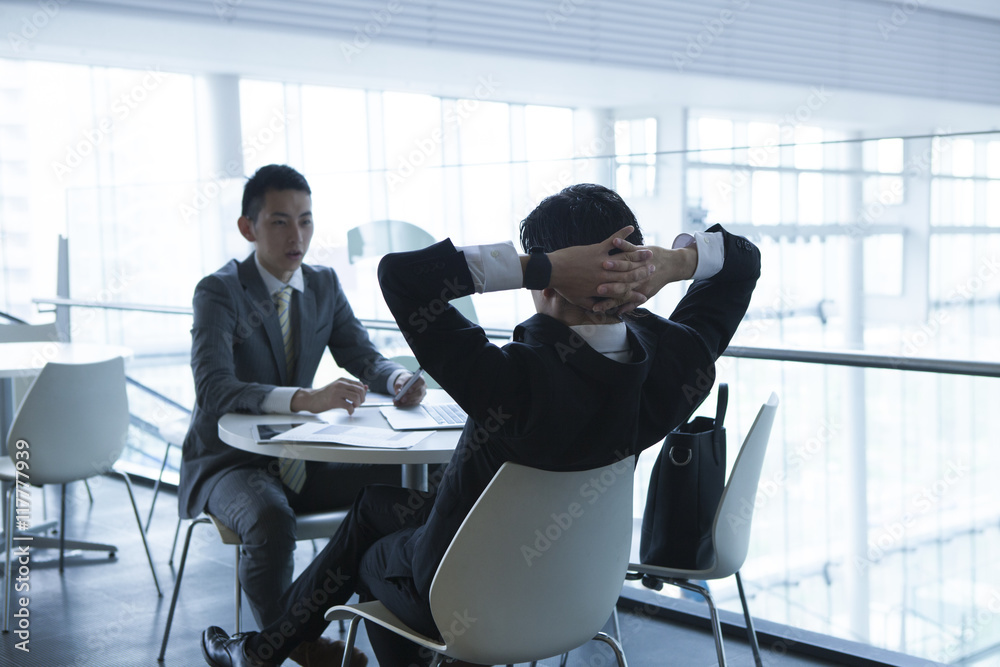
(355, 436)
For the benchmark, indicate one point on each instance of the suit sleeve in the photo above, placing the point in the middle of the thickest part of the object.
(351, 347)
(483, 378)
(699, 331)
(218, 388)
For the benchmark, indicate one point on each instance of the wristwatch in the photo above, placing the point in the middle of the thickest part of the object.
(538, 270)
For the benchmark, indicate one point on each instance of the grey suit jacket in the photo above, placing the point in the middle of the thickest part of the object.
(238, 357)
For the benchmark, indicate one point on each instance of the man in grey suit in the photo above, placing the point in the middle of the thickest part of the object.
(260, 329)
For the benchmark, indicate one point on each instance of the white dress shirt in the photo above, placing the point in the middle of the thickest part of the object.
(497, 266)
(279, 399)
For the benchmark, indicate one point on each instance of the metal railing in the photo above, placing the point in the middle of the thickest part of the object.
(849, 358)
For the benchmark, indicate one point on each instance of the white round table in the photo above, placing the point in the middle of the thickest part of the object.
(235, 429)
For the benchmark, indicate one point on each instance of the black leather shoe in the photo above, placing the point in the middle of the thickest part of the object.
(221, 650)
(326, 653)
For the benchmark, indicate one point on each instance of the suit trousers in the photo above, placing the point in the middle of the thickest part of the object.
(380, 522)
(255, 504)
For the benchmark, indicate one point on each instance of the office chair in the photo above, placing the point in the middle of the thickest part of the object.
(378, 237)
(18, 331)
(307, 527)
(524, 591)
(74, 421)
(730, 539)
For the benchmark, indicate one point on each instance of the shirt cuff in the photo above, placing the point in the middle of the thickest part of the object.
(711, 252)
(279, 400)
(392, 381)
(494, 267)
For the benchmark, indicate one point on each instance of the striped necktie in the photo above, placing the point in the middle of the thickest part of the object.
(291, 471)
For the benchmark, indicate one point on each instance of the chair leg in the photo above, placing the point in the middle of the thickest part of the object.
(156, 490)
(177, 531)
(618, 636)
(177, 587)
(716, 625)
(239, 591)
(8, 580)
(142, 533)
(751, 632)
(3, 499)
(352, 632)
(62, 531)
(615, 646)
(90, 495)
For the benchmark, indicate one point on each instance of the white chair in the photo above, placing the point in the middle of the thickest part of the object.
(516, 565)
(730, 530)
(74, 421)
(307, 527)
(378, 237)
(22, 332)
(28, 333)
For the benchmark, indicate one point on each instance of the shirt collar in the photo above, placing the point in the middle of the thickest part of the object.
(608, 339)
(274, 285)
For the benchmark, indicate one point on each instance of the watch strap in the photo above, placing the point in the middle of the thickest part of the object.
(538, 270)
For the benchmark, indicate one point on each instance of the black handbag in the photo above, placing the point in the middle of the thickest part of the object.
(685, 488)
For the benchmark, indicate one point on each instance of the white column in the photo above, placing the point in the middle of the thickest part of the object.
(218, 194)
(220, 137)
(857, 565)
(593, 142)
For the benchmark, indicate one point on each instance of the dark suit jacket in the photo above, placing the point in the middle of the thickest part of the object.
(238, 357)
(547, 399)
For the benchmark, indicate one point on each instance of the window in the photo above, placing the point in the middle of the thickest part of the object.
(635, 157)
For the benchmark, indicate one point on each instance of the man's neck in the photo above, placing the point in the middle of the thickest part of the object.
(572, 315)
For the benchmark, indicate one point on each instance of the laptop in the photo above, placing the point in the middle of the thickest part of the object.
(425, 417)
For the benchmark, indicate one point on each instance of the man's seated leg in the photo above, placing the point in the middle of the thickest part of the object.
(252, 503)
(331, 578)
(400, 596)
(333, 486)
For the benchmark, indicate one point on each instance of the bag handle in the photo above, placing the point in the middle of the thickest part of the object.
(720, 416)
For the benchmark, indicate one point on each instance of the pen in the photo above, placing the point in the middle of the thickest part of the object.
(409, 383)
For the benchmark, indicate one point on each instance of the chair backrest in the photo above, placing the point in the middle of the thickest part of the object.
(75, 419)
(378, 237)
(537, 566)
(28, 333)
(731, 529)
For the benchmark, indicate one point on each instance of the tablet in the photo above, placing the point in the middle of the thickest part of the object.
(263, 433)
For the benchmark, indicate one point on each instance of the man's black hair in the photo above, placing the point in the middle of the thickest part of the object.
(578, 215)
(270, 177)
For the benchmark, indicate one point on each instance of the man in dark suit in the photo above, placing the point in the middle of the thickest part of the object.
(261, 327)
(575, 389)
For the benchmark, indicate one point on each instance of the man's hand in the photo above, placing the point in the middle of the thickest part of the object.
(583, 274)
(413, 396)
(343, 393)
(671, 266)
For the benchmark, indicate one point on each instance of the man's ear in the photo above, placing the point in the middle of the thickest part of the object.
(246, 228)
